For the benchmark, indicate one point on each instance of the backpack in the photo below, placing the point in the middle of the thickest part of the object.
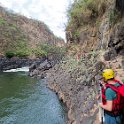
(118, 103)
(117, 89)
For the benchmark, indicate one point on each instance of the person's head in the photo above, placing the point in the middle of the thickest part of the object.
(108, 74)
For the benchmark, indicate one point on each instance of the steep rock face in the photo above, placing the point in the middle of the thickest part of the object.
(117, 38)
(103, 34)
(114, 41)
(120, 6)
(86, 39)
(97, 33)
(76, 85)
(15, 28)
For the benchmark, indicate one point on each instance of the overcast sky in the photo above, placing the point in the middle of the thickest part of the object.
(51, 12)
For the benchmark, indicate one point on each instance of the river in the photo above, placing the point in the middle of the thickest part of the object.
(24, 100)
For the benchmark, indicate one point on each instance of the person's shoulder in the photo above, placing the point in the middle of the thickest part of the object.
(109, 90)
(117, 84)
(110, 94)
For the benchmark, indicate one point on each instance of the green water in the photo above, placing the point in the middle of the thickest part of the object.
(24, 100)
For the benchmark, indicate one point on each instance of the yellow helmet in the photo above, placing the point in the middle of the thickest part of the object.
(108, 74)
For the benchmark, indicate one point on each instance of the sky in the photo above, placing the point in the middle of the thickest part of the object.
(51, 12)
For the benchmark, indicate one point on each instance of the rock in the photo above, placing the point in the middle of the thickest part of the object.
(116, 41)
(110, 55)
(122, 63)
(99, 66)
(15, 62)
(33, 66)
(103, 36)
(71, 115)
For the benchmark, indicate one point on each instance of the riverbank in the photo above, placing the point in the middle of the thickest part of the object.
(16, 62)
(76, 83)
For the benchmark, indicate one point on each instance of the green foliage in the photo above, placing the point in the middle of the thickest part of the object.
(13, 26)
(2, 21)
(76, 34)
(22, 53)
(38, 52)
(45, 50)
(9, 54)
(21, 49)
(18, 40)
(50, 49)
(123, 80)
(19, 53)
(113, 16)
(83, 12)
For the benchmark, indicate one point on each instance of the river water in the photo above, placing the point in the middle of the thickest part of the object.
(24, 100)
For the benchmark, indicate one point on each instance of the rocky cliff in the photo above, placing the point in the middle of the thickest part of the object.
(17, 31)
(95, 42)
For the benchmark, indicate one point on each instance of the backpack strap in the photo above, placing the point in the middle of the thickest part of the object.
(112, 87)
(118, 82)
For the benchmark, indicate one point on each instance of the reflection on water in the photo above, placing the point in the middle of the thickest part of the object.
(24, 100)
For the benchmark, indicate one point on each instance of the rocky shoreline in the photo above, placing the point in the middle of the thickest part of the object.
(75, 84)
(79, 98)
(16, 62)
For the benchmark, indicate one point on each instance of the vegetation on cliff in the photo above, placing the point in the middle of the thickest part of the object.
(95, 35)
(86, 16)
(20, 36)
(82, 10)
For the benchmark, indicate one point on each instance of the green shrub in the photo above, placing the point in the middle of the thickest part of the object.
(113, 16)
(21, 48)
(83, 12)
(13, 26)
(123, 80)
(22, 53)
(39, 52)
(47, 49)
(2, 21)
(76, 34)
(9, 54)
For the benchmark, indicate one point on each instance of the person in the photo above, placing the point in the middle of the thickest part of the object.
(113, 111)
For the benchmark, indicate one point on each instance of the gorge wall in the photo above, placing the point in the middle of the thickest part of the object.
(95, 42)
(95, 34)
(17, 31)
(24, 41)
